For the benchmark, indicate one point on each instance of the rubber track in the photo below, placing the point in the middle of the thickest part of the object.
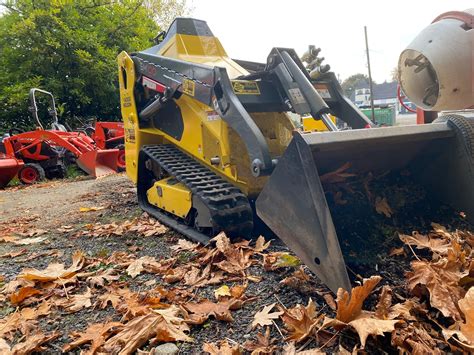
(229, 207)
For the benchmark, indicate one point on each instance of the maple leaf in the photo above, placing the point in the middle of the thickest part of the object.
(96, 334)
(33, 343)
(141, 329)
(273, 261)
(264, 317)
(76, 302)
(222, 291)
(397, 251)
(438, 245)
(349, 311)
(260, 244)
(129, 303)
(184, 245)
(465, 333)
(263, 345)
(301, 321)
(238, 291)
(299, 280)
(366, 325)
(111, 297)
(221, 348)
(148, 263)
(467, 307)
(415, 340)
(28, 241)
(382, 207)
(33, 232)
(4, 347)
(14, 254)
(100, 279)
(137, 266)
(173, 327)
(350, 306)
(337, 176)
(290, 349)
(385, 302)
(441, 280)
(22, 294)
(203, 310)
(54, 271)
(23, 320)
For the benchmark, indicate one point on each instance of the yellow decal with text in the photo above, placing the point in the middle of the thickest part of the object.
(188, 87)
(245, 88)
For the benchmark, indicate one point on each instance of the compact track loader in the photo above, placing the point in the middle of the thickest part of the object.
(211, 147)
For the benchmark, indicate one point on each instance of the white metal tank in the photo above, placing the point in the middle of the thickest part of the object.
(436, 71)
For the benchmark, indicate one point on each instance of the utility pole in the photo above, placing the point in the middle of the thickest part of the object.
(370, 75)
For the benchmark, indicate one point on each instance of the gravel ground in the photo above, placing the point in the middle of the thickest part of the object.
(56, 204)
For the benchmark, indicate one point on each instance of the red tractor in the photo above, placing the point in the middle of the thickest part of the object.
(9, 167)
(109, 135)
(46, 152)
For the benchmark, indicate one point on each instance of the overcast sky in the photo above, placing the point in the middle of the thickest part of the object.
(248, 29)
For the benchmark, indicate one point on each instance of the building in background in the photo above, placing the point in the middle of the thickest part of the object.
(385, 95)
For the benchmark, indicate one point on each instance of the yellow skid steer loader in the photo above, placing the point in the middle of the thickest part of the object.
(211, 147)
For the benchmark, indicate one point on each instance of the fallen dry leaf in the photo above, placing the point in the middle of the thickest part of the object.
(264, 317)
(14, 254)
(382, 207)
(465, 330)
(397, 252)
(24, 320)
(4, 347)
(28, 241)
(330, 301)
(273, 261)
(33, 343)
(141, 329)
(261, 245)
(366, 325)
(76, 302)
(435, 244)
(263, 345)
(337, 176)
(222, 291)
(349, 306)
(290, 349)
(95, 334)
(385, 302)
(184, 245)
(99, 280)
(201, 311)
(221, 348)
(54, 271)
(441, 280)
(301, 321)
(136, 267)
(22, 294)
(466, 305)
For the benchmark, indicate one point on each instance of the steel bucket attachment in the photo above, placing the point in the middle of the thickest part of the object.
(293, 202)
(99, 163)
(8, 169)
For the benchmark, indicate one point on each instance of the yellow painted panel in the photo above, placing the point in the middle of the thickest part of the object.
(171, 196)
(310, 124)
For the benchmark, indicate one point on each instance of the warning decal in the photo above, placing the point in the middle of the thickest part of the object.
(322, 90)
(245, 88)
(188, 87)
